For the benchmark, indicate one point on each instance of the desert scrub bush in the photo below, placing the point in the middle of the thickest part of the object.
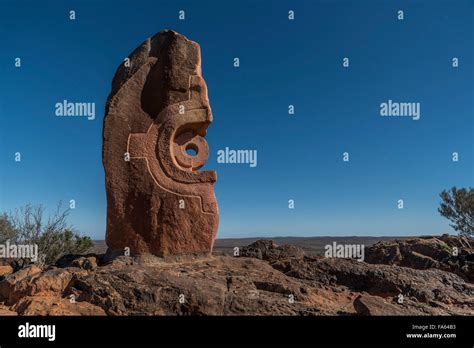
(446, 248)
(53, 235)
(457, 205)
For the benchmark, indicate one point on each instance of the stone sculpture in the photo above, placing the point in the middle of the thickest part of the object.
(157, 199)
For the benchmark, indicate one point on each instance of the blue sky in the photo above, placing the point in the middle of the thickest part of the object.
(282, 62)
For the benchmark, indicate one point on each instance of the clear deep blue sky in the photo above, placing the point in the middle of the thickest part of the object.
(282, 62)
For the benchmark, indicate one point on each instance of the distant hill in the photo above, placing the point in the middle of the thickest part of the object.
(311, 245)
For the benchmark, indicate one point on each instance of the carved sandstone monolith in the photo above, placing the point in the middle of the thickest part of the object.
(157, 199)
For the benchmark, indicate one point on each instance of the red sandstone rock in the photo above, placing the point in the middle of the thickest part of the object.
(5, 311)
(157, 199)
(15, 285)
(4, 270)
(225, 285)
(48, 305)
(373, 305)
(425, 253)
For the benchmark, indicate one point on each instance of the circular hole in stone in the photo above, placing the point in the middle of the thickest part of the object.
(191, 150)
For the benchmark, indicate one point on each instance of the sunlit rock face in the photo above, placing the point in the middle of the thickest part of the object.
(153, 147)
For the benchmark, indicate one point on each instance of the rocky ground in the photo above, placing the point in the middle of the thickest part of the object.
(418, 276)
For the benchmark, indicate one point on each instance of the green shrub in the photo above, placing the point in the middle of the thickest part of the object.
(458, 206)
(54, 237)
